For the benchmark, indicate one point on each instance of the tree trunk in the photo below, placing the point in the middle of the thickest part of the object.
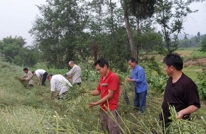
(129, 32)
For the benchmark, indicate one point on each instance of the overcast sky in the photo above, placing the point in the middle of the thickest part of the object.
(17, 17)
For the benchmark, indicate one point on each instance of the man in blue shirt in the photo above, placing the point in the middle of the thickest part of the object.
(139, 79)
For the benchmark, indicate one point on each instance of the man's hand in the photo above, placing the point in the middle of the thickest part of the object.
(91, 104)
(129, 79)
(69, 77)
(180, 115)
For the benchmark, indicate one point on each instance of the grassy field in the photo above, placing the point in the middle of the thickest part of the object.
(29, 110)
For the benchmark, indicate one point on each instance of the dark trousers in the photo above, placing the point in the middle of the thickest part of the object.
(126, 98)
(140, 100)
(44, 78)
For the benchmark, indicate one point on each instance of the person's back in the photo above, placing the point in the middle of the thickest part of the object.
(39, 72)
(61, 80)
(77, 74)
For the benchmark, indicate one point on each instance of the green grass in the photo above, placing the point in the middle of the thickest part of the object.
(198, 54)
(24, 110)
(192, 71)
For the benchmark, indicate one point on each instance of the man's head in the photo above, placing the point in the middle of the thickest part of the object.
(49, 76)
(25, 70)
(132, 62)
(172, 63)
(101, 66)
(71, 64)
(33, 72)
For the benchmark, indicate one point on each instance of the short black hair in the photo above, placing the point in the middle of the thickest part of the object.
(132, 60)
(174, 60)
(101, 62)
(49, 75)
(33, 72)
(25, 69)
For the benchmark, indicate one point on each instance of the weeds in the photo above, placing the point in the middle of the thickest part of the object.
(24, 111)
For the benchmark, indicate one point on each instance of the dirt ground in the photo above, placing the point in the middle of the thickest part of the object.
(198, 61)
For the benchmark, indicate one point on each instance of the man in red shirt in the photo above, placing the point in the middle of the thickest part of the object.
(109, 89)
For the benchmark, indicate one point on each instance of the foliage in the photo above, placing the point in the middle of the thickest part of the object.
(30, 110)
(202, 89)
(192, 42)
(202, 82)
(151, 65)
(157, 83)
(203, 44)
(151, 41)
(142, 11)
(170, 21)
(59, 32)
(14, 51)
(182, 126)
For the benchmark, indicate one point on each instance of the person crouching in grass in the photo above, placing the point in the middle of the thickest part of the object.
(58, 83)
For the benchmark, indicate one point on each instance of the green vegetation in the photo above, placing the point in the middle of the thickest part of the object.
(29, 110)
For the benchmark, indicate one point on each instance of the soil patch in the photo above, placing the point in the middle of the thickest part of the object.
(195, 62)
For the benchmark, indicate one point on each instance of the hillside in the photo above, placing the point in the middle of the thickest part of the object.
(29, 110)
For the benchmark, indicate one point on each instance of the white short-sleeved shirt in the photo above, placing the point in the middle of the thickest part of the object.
(39, 72)
(59, 83)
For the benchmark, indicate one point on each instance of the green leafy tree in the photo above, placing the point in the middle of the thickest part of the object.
(203, 44)
(151, 41)
(141, 10)
(14, 51)
(108, 33)
(10, 47)
(170, 16)
(59, 32)
(125, 7)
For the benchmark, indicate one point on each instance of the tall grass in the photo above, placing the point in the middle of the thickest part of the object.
(30, 110)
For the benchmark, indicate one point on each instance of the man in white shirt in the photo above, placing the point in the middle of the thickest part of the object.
(42, 75)
(74, 73)
(58, 83)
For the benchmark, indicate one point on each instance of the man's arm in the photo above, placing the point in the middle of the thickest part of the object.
(95, 92)
(188, 110)
(39, 80)
(139, 78)
(69, 74)
(29, 76)
(51, 94)
(103, 100)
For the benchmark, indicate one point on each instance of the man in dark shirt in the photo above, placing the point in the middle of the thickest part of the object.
(181, 92)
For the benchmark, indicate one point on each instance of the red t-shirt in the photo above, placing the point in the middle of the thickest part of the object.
(111, 82)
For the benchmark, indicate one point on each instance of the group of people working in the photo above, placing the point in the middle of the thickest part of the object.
(58, 82)
(181, 92)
